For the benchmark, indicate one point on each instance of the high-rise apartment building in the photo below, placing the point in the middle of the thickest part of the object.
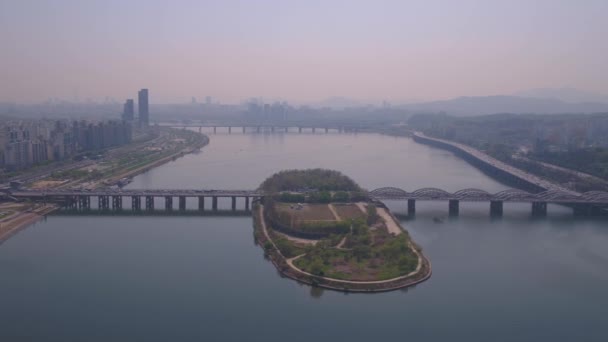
(142, 104)
(128, 112)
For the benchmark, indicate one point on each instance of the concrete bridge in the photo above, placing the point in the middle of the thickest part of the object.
(113, 198)
(285, 127)
(589, 203)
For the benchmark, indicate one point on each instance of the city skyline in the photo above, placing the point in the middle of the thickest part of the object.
(299, 52)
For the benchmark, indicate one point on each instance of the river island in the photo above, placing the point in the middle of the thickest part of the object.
(321, 228)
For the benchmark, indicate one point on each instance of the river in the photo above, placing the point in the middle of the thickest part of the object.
(75, 278)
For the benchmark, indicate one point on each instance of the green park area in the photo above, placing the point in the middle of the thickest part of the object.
(324, 225)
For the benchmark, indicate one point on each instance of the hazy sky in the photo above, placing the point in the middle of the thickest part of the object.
(299, 50)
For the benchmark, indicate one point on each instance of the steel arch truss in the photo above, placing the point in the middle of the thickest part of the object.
(431, 193)
(473, 194)
(389, 192)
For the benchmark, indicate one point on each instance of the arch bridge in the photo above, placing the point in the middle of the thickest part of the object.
(588, 203)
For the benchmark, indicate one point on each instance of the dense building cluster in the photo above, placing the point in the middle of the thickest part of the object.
(27, 143)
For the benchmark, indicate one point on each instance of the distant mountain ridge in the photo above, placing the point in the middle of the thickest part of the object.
(482, 105)
(565, 94)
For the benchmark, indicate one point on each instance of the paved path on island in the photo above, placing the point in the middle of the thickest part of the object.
(333, 211)
(362, 207)
(391, 225)
(297, 239)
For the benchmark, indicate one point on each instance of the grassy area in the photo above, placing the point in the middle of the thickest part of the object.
(365, 261)
(369, 251)
(288, 248)
(356, 245)
(350, 210)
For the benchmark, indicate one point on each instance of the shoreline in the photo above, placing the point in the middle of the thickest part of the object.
(23, 219)
(286, 268)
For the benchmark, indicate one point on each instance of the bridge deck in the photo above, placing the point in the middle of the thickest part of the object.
(387, 193)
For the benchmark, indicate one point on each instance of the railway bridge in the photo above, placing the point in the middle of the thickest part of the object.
(588, 203)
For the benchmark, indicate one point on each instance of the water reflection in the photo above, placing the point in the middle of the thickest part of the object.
(316, 292)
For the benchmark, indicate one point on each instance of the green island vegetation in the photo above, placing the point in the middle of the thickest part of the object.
(324, 225)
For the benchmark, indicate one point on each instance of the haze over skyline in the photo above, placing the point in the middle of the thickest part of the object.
(301, 51)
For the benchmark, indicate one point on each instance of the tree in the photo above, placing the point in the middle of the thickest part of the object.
(268, 245)
(316, 266)
(341, 196)
(361, 252)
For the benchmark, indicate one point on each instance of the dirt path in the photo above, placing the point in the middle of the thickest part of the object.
(333, 211)
(362, 207)
(391, 225)
(341, 244)
(298, 240)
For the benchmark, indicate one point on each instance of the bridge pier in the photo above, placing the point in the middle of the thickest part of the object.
(496, 208)
(149, 202)
(168, 202)
(201, 203)
(84, 202)
(182, 203)
(247, 203)
(233, 203)
(214, 203)
(539, 209)
(117, 202)
(103, 202)
(454, 207)
(69, 201)
(135, 203)
(411, 207)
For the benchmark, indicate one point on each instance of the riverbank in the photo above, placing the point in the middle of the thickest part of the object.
(153, 164)
(12, 225)
(130, 172)
(286, 267)
(28, 214)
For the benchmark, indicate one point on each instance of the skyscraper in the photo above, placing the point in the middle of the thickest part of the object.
(142, 104)
(128, 112)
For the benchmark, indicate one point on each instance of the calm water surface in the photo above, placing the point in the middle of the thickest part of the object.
(202, 278)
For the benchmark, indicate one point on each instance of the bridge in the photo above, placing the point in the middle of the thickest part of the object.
(285, 127)
(113, 198)
(588, 203)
